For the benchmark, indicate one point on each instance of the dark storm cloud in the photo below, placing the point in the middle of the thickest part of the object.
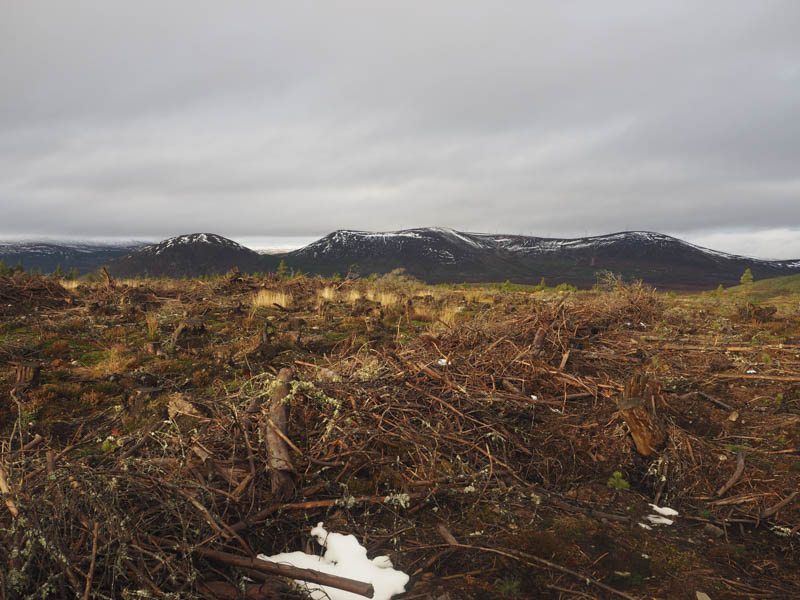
(291, 119)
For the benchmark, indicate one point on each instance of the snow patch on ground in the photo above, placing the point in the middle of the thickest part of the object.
(345, 557)
(660, 518)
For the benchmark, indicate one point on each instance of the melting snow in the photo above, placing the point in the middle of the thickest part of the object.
(192, 238)
(661, 517)
(664, 510)
(658, 520)
(345, 557)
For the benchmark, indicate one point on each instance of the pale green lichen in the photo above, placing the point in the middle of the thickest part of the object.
(346, 501)
(401, 500)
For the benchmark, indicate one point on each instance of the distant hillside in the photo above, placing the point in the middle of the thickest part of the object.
(440, 255)
(190, 255)
(444, 255)
(775, 286)
(48, 256)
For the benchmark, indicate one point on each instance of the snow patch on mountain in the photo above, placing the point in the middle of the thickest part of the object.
(458, 244)
(52, 248)
(190, 240)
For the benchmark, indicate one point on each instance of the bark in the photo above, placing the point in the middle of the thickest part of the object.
(278, 451)
(638, 408)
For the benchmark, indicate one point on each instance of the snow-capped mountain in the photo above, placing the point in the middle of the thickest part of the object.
(191, 254)
(47, 256)
(438, 254)
(433, 254)
(176, 243)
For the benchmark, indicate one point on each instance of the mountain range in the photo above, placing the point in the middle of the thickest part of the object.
(49, 255)
(432, 254)
(444, 255)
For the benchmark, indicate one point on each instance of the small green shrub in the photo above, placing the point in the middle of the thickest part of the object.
(616, 482)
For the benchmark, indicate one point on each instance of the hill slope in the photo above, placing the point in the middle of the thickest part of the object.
(47, 256)
(192, 254)
(444, 255)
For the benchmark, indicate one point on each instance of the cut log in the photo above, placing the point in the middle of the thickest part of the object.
(638, 408)
(281, 470)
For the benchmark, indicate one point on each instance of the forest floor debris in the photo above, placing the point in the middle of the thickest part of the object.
(490, 415)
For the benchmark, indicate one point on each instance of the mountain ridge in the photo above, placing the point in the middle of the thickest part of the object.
(188, 255)
(47, 255)
(440, 255)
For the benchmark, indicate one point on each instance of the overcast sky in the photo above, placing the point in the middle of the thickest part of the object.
(260, 119)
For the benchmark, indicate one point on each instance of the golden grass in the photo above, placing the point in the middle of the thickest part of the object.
(119, 360)
(151, 319)
(447, 314)
(268, 298)
(386, 299)
(424, 313)
(327, 293)
(478, 296)
(353, 296)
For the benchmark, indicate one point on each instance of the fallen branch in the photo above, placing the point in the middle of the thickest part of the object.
(273, 568)
(90, 574)
(765, 514)
(736, 474)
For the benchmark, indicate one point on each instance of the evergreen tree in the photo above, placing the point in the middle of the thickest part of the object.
(747, 278)
(282, 270)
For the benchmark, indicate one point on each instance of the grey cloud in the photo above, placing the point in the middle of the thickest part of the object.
(293, 119)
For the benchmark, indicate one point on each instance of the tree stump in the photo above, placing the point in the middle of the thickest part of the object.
(275, 423)
(638, 408)
(28, 374)
(186, 329)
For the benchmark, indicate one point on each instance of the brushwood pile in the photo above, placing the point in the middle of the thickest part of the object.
(156, 436)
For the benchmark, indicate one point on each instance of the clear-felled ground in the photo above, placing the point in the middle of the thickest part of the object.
(472, 435)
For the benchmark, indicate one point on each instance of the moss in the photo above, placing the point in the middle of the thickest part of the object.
(95, 357)
(668, 560)
(69, 391)
(573, 528)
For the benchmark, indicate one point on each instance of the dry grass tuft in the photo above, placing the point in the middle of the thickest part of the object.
(327, 293)
(268, 298)
(386, 299)
(353, 296)
(152, 325)
(447, 314)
